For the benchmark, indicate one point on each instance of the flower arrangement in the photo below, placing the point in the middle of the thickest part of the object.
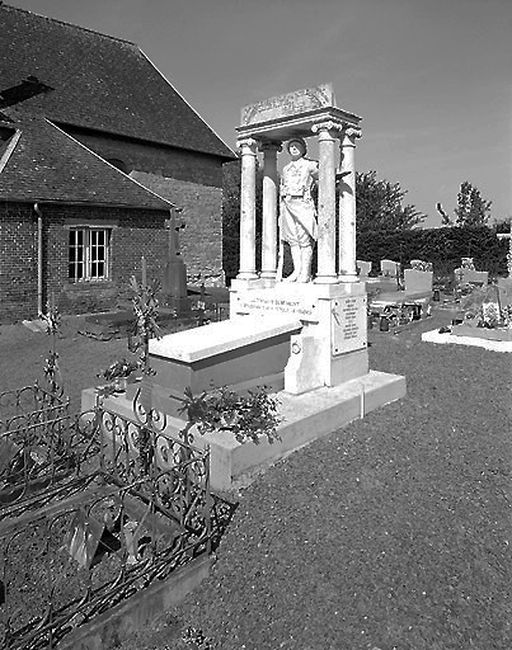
(119, 369)
(247, 416)
(467, 263)
(421, 265)
(491, 317)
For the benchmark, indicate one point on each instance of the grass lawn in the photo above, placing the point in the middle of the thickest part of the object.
(392, 533)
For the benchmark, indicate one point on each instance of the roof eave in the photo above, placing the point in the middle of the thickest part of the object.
(84, 204)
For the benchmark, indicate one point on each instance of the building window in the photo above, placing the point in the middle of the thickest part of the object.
(89, 250)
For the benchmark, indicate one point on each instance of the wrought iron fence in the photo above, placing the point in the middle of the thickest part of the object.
(29, 405)
(99, 507)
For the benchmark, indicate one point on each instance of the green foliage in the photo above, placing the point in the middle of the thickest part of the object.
(443, 246)
(379, 205)
(52, 320)
(247, 416)
(472, 210)
(503, 225)
(145, 308)
(118, 369)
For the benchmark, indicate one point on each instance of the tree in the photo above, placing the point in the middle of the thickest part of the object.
(472, 210)
(379, 205)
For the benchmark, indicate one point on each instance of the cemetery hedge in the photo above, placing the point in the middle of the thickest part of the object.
(442, 246)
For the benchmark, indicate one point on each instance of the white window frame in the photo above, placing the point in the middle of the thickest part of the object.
(89, 247)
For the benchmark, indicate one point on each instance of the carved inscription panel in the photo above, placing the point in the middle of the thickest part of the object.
(348, 324)
(294, 103)
(258, 302)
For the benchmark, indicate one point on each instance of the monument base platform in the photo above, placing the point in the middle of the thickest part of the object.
(306, 417)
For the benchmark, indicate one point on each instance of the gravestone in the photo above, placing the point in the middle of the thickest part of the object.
(467, 273)
(174, 280)
(364, 268)
(470, 276)
(418, 281)
(389, 268)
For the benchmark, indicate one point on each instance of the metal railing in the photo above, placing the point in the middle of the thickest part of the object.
(99, 507)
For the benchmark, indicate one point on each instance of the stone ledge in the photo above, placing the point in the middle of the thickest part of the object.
(307, 417)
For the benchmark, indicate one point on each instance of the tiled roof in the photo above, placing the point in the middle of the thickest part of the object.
(99, 82)
(46, 164)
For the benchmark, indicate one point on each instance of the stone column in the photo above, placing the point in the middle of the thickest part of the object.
(326, 250)
(269, 231)
(247, 270)
(347, 207)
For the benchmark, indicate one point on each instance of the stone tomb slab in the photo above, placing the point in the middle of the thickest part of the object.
(239, 353)
(473, 341)
(488, 334)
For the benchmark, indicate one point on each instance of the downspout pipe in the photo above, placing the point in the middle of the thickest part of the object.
(37, 210)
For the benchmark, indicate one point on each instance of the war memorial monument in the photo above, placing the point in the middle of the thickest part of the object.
(304, 336)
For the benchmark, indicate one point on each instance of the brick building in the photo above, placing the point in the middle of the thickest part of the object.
(96, 147)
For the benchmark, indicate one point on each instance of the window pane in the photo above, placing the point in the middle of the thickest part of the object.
(88, 253)
(76, 254)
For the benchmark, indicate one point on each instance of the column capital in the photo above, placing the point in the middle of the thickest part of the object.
(327, 129)
(270, 145)
(349, 135)
(249, 146)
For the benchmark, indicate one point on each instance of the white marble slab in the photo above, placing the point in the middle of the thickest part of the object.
(495, 346)
(207, 341)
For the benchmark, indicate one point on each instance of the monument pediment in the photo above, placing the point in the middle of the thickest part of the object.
(293, 113)
(289, 104)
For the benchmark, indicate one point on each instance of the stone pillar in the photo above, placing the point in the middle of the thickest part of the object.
(347, 207)
(247, 270)
(326, 250)
(270, 191)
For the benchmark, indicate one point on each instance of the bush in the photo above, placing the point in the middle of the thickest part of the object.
(443, 246)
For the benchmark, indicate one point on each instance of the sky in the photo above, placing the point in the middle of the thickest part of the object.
(432, 79)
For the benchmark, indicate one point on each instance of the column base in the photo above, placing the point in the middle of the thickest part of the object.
(326, 279)
(348, 277)
(268, 275)
(247, 275)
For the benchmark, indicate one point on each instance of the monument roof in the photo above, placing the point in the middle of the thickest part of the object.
(76, 76)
